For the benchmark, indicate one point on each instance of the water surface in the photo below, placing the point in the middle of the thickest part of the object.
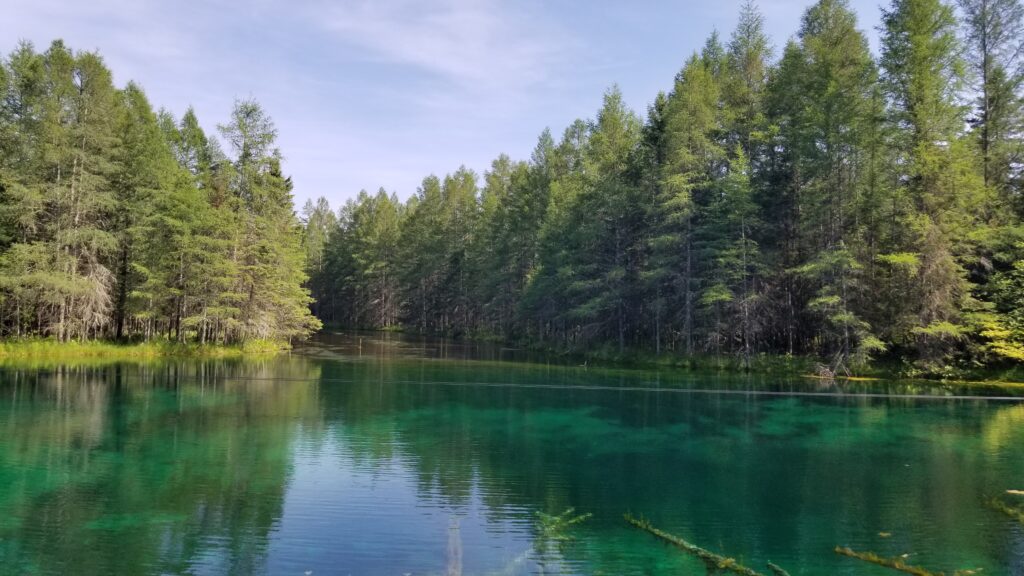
(376, 454)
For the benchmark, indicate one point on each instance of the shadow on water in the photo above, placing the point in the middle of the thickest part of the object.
(418, 456)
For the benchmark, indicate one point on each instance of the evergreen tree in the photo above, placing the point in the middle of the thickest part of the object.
(424, 259)
(746, 69)
(729, 294)
(373, 237)
(600, 281)
(945, 197)
(119, 222)
(994, 30)
(546, 299)
(822, 105)
(693, 157)
(807, 206)
(145, 170)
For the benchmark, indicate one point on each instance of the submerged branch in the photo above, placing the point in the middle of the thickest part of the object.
(713, 562)
(1011, 511)
(894, 563)
(556, 527)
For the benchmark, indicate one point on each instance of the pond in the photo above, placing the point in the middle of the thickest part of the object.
(378, 454)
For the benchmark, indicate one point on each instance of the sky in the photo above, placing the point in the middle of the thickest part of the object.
(381, 93)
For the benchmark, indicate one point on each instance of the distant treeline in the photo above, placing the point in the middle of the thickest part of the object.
(120, 222)
(823, 202)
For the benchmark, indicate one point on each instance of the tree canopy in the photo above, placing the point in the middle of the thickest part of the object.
(813, 199)
(118, 221)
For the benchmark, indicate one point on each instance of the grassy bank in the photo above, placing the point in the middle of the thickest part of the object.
(49, 349)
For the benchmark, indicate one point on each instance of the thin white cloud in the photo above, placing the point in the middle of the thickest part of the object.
(382, 92)
(480, 45)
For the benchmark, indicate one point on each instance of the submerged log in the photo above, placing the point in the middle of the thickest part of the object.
(894, 563)
(713, 562)
(1000, 506)
(777, 570)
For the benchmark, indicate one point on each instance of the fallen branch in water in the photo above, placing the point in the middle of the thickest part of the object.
(552, 535)
(777, 570)
(556, 527)
(1016, 492)
(1000, 506)
(894, 563)
(713, 562)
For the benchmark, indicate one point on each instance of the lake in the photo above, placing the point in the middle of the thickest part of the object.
(378, 454)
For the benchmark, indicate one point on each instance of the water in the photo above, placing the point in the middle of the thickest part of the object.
(378, 455)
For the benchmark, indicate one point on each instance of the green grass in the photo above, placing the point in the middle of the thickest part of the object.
(35, 349)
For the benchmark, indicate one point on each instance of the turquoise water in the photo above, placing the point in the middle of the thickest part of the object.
(373, 454)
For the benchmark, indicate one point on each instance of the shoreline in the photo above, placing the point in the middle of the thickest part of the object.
(50, 350)
(764, 363)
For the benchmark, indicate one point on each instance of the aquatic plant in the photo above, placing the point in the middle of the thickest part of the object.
(715, 563)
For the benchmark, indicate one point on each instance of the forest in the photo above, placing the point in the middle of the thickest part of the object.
(818, 200)
(118, 222)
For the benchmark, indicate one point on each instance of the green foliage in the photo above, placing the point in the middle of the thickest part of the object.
(374, 242)
(994, 31)
(825, 204)
(119, 222)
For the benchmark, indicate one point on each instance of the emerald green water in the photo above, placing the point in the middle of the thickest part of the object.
(377, 455)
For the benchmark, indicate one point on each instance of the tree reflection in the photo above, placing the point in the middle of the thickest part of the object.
(162, 468)
(184, 467)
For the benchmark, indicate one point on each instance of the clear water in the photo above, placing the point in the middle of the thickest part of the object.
(373, 454)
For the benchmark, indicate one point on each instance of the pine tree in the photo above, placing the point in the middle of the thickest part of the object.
(994, 30)
(145, 170)
(318, 221)
(546, 299)
(822, 102)
(119, 222)
(923, 77)
(746, 76)
(729, 294)
(76, 139)
(269, 247)
(424, 259)
(692, 158)
(604, 278)
(374, 223)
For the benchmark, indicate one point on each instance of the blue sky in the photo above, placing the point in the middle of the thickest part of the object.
(371, 93)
